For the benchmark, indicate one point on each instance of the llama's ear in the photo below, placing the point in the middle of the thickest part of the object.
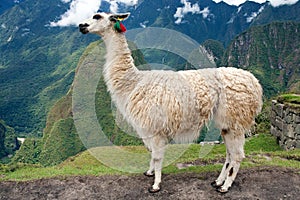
(119, 17)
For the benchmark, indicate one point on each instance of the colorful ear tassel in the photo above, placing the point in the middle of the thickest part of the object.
(119, 27)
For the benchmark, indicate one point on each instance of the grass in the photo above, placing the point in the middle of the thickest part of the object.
(260, 150)
(82, 164)
(292, 100)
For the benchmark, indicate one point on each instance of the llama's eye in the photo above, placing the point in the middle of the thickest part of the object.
(96, 17)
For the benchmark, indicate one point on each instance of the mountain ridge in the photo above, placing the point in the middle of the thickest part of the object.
(271, 53)
(60, 132)
(38, 61)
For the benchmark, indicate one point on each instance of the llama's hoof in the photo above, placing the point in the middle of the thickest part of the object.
(215, 185)
(148, 175)
(222, 190)
(151, 190)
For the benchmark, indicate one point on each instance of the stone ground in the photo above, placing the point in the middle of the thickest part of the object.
(255, 183)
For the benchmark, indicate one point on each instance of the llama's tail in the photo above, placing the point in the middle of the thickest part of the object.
(259, 93)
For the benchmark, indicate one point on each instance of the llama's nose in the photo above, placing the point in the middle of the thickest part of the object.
(83, 28)
(83, 25)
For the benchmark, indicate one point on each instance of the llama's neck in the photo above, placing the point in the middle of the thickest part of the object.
(120, 73)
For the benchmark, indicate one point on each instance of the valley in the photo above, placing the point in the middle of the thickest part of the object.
(39, 62)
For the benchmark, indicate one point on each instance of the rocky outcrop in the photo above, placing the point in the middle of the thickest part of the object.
(285, 124)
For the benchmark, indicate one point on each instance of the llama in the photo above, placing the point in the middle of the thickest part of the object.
(164, 105)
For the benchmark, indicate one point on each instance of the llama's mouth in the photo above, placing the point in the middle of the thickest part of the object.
(83, 28)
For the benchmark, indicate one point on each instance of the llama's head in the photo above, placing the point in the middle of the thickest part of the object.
(102, 23)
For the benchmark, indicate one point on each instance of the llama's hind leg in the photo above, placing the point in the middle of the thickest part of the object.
(235, 148)
(220, 180)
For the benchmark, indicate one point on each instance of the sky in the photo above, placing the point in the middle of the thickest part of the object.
(274, 3)
(189, 8)
(79, 10)
(82, 9)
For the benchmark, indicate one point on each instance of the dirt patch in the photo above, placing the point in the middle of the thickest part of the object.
(255, 183)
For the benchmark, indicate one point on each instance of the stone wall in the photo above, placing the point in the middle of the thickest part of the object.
(285, 125)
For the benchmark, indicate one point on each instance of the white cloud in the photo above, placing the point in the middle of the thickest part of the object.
(189, 8)
(79, 10)
(255, 14)
(114, 7)
(231, 2)
(82, 9)
(274, 3)
(205, 12)
(239, 9)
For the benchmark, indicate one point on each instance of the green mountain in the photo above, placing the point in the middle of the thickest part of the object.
(60, 138)
(2, 138)
(8, 142)
(7, 4)
(271, 52)
(37, 63)
(217, 21)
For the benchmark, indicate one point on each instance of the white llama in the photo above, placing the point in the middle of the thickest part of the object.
(164, 105)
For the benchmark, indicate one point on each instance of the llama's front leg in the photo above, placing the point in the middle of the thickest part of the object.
(150, 172)
(157, 158)
(158, 149)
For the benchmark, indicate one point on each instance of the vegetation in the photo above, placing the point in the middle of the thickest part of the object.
(42, 74)
(289, 98)
(60, 139)
(292, 100)
(107, 119)
(43, 69)
(8, 142)
(2, 138)
(215, 48)
(29, 152)
(261, 150)
(60, 131)
(269, 53)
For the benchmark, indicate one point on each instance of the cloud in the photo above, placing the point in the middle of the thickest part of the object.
(189, 8)
(232, 2)
(274, 3)
(114, 4)
(79, 11)
(205, 12)
(255, 14)
(82, 9)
